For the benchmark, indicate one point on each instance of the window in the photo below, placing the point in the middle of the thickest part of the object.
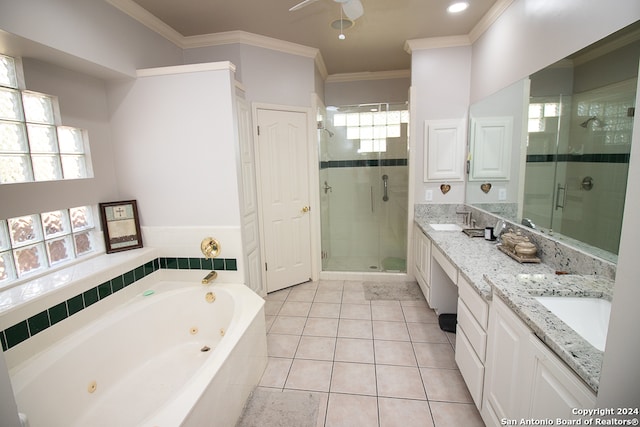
(539, 112)
(33, 243)
(372, 128)
(34, 146)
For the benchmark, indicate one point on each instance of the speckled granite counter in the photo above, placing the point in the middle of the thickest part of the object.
(490, 271)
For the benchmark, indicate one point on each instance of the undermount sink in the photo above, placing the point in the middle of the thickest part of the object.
(589, 317)
(446, 227)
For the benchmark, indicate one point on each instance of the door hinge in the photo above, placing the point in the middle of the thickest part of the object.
(258, 130)
(265, 267)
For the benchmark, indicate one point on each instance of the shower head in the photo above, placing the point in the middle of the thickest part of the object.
(596, 121)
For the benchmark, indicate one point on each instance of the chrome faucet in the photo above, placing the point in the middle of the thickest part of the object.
(528, 223)
(467, 217)
(209, 278)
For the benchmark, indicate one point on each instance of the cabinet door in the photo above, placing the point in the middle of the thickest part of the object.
(444, 150)
(422, 253)
(505, 365)
(554, 390)
(491, 141)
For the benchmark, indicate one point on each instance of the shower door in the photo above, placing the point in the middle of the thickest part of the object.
(363, 188)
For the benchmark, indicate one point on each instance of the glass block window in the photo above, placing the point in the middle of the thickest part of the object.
(372, 128)
(33, 144)
(539, 112)
(34, 243)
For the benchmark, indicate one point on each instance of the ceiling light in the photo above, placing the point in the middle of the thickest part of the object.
(458, 7)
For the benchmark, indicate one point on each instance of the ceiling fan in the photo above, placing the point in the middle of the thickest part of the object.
(352, 8)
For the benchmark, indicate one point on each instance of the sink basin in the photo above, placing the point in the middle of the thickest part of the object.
(446, 227)
(589, 317)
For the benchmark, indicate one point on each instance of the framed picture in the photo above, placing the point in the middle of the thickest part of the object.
(121, 226)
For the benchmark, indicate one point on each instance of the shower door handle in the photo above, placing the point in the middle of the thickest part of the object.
(564, 194)
(385, 183)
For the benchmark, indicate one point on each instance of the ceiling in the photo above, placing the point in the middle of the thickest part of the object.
(374, 43)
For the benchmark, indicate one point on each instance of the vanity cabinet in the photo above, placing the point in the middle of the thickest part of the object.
(523, 378)
(471, 338)
(443, 290)
(422, 260)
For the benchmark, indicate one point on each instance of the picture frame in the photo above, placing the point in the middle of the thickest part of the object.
(120, 226)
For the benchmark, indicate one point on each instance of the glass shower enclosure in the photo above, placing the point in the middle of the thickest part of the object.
(363, 187)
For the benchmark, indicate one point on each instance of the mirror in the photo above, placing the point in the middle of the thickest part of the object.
(570, 140)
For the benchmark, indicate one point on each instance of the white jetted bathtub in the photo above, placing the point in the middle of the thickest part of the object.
(177, 355)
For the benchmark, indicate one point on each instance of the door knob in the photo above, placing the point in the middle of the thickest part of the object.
(306, 209)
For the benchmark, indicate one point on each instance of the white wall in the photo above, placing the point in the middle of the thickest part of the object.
(89, 33)
(440, 81)
(367, 91)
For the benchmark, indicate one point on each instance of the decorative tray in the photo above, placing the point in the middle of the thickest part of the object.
(521, 259)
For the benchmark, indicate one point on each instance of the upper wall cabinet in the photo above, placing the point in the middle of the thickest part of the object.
(490, 148)
(444, 150)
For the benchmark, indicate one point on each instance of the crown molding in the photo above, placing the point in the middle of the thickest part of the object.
(368, 75)
(149, 20)
(436, 43)
(183, 69)
(488, 19)
(605, 48)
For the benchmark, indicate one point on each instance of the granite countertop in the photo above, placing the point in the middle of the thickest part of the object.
(490, 271)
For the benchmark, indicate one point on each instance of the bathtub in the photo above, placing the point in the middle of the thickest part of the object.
(171, 356)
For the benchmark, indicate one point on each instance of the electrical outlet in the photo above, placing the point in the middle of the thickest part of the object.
(428, 195)
(502, 194)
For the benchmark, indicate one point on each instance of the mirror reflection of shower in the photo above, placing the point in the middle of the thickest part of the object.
(363, 187)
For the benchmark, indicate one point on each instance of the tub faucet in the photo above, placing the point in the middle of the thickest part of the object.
(209, 278)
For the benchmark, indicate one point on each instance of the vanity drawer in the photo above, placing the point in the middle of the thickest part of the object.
(477, 306)
(446, 265)
(470, 366)
(474, 333)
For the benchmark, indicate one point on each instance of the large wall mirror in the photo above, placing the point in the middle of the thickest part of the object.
(570, 143)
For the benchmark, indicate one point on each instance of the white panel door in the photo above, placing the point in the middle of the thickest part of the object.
(284, 191)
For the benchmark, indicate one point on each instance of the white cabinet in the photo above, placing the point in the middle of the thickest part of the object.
(422, 258)
(443, 296)
(523, 378)
(471, 338)
(491, 139)
(444, 150)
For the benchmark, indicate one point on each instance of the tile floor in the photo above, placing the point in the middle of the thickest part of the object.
(373, 363)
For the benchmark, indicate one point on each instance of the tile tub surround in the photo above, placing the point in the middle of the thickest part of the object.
(373, 363)
(519, 294)
(488, 270)
(25, 329)
(561, 253)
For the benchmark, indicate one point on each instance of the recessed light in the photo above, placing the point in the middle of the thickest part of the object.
(458, 7)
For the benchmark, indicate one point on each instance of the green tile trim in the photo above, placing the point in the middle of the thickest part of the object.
(27, 328)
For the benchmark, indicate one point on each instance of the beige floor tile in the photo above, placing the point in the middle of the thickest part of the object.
(278, 295)
(350, 328)
(325, 309)
(291, 325)
(295, 308)
(321, 327)
(352, 285)
(354, 297)
(312, 375)
(434, 355)
(399, 381)
(404, 413)
(350, 410)
(419, 314)
(329, 295)
(356, 311)
(455, 414)
(354, 350)
(306, 285)
(395, 303)
(280, 345)
(331, 285)
(414, 303)
(353, 378)
(275, 374)
(445, 385)
(391, 331)
(272, 307)
(452, 339)
(317, 348)
(398, 353)
(387, 312)
(426, 332)
(304, 295)
(268, 321)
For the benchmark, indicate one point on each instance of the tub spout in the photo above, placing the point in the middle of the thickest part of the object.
(209, 278)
